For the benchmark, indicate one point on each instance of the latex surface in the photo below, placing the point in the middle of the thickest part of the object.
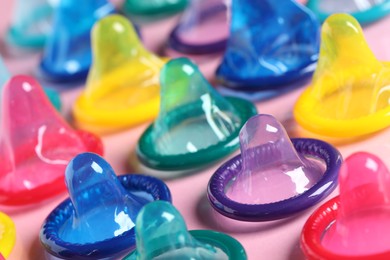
(67, 55)
(53, 96)
(30, 24)
(36, 144)
(366, 11)
(271, 43)
(123, 85)
(161, 233)
(203, 28)
(90, 176)
(272, 170)
(149, 8)
(362, 224)
(7, 235)
(348, 96)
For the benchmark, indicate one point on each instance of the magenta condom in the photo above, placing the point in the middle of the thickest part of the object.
(355, 224)
(273, 177)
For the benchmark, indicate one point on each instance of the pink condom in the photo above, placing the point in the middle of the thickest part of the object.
(36, 144)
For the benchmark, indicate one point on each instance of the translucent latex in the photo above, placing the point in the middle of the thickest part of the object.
(53, 96)
(153, 8)
(270, 43)
(161, 233)
(67, 55)
(123, 84)
(30, 24)
(193, 116)
(36, 144)
(362, 225)
(364, 11)
(272, 170)
(349, 95)
(7, 235)
(202, 28)
(99, 200)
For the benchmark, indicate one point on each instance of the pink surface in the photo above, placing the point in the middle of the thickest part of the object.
(362, 226)
(272, 240)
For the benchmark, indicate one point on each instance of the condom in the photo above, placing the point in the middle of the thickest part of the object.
(7, 235)
(273, 177)
(202, 29)
(364, 11)
(30, 24)
(195, 125)
(354, 224)
(123, 85)
(67, 55)
(161, 233)
(348, 96)
(53, 95)
(98, 198)
(271, 44)
(36, 144)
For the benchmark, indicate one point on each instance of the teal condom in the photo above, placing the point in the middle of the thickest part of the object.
(53, 96)
(30, 24)
(195, 125)
(149, 10)
(161, 233)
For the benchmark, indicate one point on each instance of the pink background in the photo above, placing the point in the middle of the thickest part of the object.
(271, 240)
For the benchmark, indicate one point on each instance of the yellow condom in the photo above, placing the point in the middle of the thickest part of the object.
(123, 84)
(350, 93)
(7, 235)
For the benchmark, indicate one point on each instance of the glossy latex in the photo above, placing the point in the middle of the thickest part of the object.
(36, 144)
(203, 28)
(98, 198)
(194, 122)
(7, 235)
(348, 96)
(271, 43)
(161, 233)
(122, 88)
(67, 55)
(362, 225)
(151, 8)
(85, 175)
(30, 24)
(53, 96)
(270, 161)
(364, 11)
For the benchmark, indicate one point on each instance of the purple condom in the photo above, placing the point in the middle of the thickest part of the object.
(273, 177)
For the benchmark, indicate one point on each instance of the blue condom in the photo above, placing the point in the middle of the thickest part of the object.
(364, 11)
(67, 55)
(53, 96)
(98, 198)
(271, 43)
(30, 24)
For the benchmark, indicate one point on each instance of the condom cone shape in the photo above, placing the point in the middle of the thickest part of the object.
(67, 55)
(162, 233)
(53, 96)
(364, 11)
(270, 44)
(361, 226)
(31, 23)
(348, 96)
(97, 197)
(270, 161)
(36, 144)
(123, 85)
(193, 119)
(203, 28)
